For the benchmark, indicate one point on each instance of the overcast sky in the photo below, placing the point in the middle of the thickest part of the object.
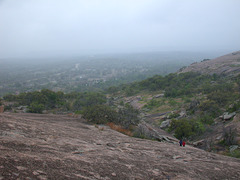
(75, 27)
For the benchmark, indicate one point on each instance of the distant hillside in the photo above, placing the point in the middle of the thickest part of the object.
(227, 65)
(86, 73)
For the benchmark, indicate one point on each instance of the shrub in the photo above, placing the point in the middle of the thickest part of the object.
(210, 107)
(82, 100)
(235, 153)
(206, 119)
(128, 116)
(35, 108)
(153, 103)
(229, 136)
(186, 128)
(99, 114)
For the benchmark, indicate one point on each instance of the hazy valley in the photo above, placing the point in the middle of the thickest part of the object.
(199, 107)
(135, 90)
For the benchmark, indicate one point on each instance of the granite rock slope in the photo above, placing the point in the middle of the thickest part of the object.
(34, 146)
(228, 65)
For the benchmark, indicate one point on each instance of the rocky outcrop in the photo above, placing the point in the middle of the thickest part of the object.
(227, 116)
(165, 123)
(228, 65)
(148, 131)
(45, 146)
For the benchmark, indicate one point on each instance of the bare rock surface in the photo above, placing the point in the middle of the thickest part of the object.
(228, 64)
(34, 146)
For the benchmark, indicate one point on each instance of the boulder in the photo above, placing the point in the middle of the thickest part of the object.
(165, 123)
(183, 114)
(227, 116)
(158, 96)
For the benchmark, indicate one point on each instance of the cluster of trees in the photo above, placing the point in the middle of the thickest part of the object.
(216, 94)
(46, 99)
(92, 105)
(186, 128)
(125, 116)
(174, 85)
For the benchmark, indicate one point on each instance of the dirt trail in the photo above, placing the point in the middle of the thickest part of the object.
(34, 146)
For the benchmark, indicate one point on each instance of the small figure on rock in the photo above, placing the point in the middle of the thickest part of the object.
(180, 142)
(183, 143)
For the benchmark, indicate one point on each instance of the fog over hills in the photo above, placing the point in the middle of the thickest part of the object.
(96, 72)
(107, 89)
(36, 28)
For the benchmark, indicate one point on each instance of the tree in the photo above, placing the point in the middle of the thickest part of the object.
(35, 108)
(99, 114)
(128, 116)
(184, 130)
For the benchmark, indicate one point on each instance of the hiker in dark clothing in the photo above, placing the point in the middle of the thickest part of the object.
(180, 142)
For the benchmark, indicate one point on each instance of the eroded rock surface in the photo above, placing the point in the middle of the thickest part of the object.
(228, 65)
(36, 146)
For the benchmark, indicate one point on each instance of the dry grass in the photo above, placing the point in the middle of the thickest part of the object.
(119, 129)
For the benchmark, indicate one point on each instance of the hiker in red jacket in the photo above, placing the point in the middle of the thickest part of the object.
(183, 143)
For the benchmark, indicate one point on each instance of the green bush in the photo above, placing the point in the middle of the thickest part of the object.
(229, 136)
(186, 128)
(99, 114)
(235, 107)
(235, 153)
(210, 107)
(128, 116)
(102, 114)
(35, 108)
(183, 130)
(153, 103)
(82, 100)
(206, 119)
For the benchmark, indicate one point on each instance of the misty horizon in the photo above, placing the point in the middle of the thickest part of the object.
(74, 28)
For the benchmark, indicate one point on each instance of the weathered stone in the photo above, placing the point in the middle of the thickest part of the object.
(227, 116)
(151, 132)
(227, 65)
(132, 158)
(158, 96)
(166, 123)
(182, 114)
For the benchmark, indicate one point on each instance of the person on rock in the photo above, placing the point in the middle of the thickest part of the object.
(183, 143)
(180, 142)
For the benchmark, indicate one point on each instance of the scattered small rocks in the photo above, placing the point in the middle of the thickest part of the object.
(21, 168)
(114, 174)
